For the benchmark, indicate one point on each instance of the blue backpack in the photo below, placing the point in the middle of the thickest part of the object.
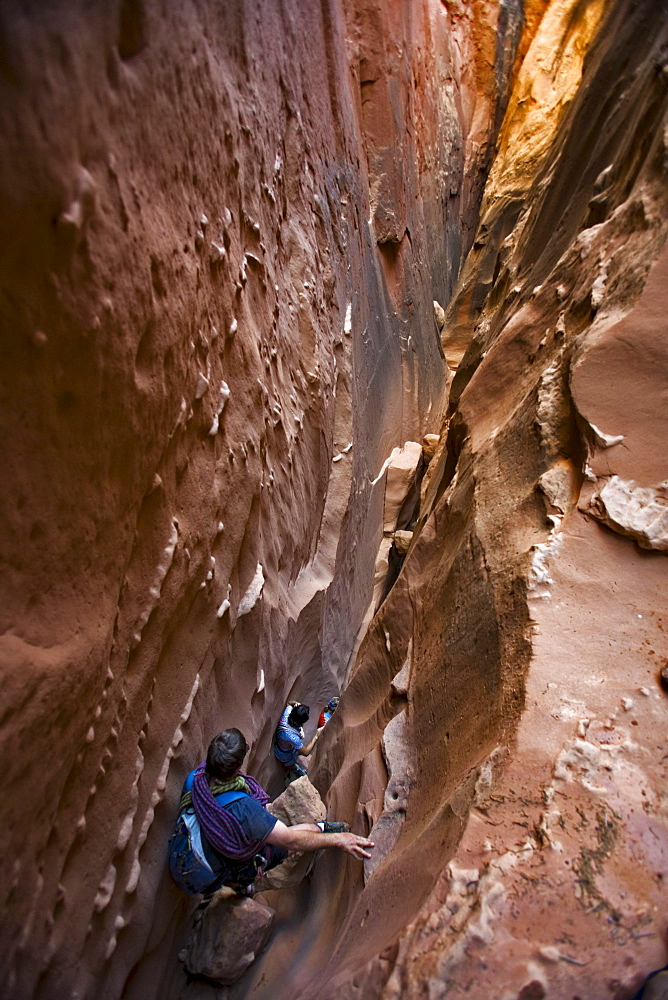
(191, 875)
(186, 869)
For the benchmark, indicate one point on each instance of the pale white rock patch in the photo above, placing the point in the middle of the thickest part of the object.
(640, 512)
(252, 595)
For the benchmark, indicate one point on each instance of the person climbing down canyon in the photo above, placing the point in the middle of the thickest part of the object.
(224, 834)
(289, 739)
(328, 712)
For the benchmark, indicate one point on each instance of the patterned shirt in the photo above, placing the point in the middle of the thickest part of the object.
(288, 740)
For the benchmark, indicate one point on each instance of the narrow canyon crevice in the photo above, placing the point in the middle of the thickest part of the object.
(335, 361)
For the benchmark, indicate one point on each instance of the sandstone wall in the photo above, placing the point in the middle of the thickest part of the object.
(223, 229)
(503, 732)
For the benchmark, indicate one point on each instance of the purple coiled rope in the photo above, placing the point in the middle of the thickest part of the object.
(223, 830)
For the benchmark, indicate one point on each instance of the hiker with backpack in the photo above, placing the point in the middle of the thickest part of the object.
(289, 739)
(224, 834)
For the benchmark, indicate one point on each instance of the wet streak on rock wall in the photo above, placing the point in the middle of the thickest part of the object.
(208, 353)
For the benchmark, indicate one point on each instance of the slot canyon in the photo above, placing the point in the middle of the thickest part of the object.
(334, 362)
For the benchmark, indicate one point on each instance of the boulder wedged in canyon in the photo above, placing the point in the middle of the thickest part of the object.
(227, 937)
(226, 229)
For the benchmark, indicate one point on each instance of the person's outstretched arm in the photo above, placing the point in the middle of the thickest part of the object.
(305, 751)
(309, 837)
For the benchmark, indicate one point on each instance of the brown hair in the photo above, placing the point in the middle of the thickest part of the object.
(226, 754)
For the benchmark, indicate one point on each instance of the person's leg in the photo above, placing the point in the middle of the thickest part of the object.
(240, 876)
(292, 773)
(325, 826)
(333, 826)
(274, 855)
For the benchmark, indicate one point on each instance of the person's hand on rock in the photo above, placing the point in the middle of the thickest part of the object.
(355, 845)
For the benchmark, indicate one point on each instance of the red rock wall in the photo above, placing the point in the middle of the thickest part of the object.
(508, 689)
(223, 229)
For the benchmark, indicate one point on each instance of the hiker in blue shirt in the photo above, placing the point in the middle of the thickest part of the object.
(289, 739)
(225, 836)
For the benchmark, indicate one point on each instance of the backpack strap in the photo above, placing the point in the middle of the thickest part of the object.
(225, 798)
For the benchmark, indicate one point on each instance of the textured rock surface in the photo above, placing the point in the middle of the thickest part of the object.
(640, 512)
(228, 937)
(513, 671)
(226, 226)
